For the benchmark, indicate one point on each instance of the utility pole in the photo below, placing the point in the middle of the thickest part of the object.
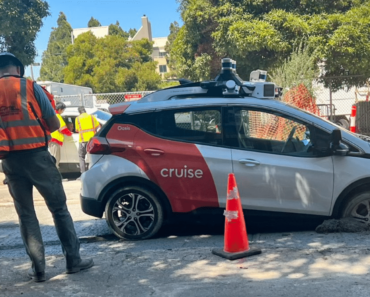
(33, 64)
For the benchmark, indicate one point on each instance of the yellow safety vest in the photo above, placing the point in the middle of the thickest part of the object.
(86, 125)
(56, 134)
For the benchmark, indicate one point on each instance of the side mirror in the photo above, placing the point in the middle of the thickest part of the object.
(336, 146)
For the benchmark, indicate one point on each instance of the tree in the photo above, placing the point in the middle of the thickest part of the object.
(174, 30)
(115, 29)
(93, 23)
(111, 64)
(54, 59)
(20, 22)
(132, 32)
(262, 34)
(299, 68)
(81, 61)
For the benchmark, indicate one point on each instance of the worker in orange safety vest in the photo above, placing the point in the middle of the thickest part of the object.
(57, 137)
(86, 125)
(27, 119)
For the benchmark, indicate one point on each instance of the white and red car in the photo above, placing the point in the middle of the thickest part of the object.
(172, 151)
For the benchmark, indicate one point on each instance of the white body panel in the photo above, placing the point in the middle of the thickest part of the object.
(60, 89)
(101, 173)
(284, 183)
(219, 163)
(348, 170)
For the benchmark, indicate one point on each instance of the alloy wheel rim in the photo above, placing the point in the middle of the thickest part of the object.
(361, 211)
(133, 214)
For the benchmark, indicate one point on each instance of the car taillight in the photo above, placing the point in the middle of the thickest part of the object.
(98, 145)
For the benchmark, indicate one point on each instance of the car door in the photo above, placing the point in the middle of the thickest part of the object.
(69, 150)
(276, 166)
(185, 156)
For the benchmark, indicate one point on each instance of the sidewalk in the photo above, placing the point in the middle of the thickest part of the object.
(292, 264)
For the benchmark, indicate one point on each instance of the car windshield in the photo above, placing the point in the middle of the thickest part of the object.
(102, 115)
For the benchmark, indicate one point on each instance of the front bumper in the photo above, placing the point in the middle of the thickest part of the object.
(92, 207)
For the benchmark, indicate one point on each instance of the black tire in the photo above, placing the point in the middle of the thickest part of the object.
(358, 206)
(343, 123)
(126, 221)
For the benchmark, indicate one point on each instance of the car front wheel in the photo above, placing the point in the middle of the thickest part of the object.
(134, 213)
(358, 207)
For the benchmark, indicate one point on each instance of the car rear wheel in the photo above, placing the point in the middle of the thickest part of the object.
(134, 213)
(358, 207)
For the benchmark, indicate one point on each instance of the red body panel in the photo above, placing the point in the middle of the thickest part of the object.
(177, 168)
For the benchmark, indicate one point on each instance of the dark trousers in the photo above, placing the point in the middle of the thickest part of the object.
(24, 171)
(82, 154)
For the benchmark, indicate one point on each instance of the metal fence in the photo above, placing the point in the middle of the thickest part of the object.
(103, 100)
(336, 105)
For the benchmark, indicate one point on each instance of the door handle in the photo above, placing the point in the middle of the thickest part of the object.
(249, 162)
(154, 152)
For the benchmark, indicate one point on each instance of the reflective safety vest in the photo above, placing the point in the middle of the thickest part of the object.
(21, 116)
(86, 125)
(4, 142)
(57, 135)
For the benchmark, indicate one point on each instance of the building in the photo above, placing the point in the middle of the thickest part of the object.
(97, 31)
(159, 52)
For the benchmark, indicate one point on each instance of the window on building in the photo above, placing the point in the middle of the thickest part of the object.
(162, 54)
(162, 68)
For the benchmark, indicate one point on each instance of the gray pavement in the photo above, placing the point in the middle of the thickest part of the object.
(291, 264)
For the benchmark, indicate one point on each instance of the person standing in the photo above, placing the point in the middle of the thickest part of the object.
(27, 119)
(87, 126)
(57, 137)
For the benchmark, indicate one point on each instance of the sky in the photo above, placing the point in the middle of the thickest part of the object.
(161, 14)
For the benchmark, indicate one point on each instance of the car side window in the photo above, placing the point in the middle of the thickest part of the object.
(193, 125)
(70, 123)
(272, 133)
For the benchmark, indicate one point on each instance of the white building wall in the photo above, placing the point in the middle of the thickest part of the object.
(97, 31)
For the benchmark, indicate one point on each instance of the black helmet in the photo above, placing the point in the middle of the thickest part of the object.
(8, 56)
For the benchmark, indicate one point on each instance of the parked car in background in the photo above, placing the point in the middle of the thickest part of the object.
(69, 162)
(61, 89)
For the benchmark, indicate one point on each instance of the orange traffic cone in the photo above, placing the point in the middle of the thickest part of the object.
(236, 244)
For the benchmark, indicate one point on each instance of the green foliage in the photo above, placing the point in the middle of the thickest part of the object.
(93, 23)
(132, 32)
(263, 33)
(140, 77)
(111, 64)
(168, 84)
(54, 59)
(115, 29)
(20, 22)
(299, 68)
(174, 30)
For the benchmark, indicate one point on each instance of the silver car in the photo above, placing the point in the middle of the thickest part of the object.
(172, 151)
